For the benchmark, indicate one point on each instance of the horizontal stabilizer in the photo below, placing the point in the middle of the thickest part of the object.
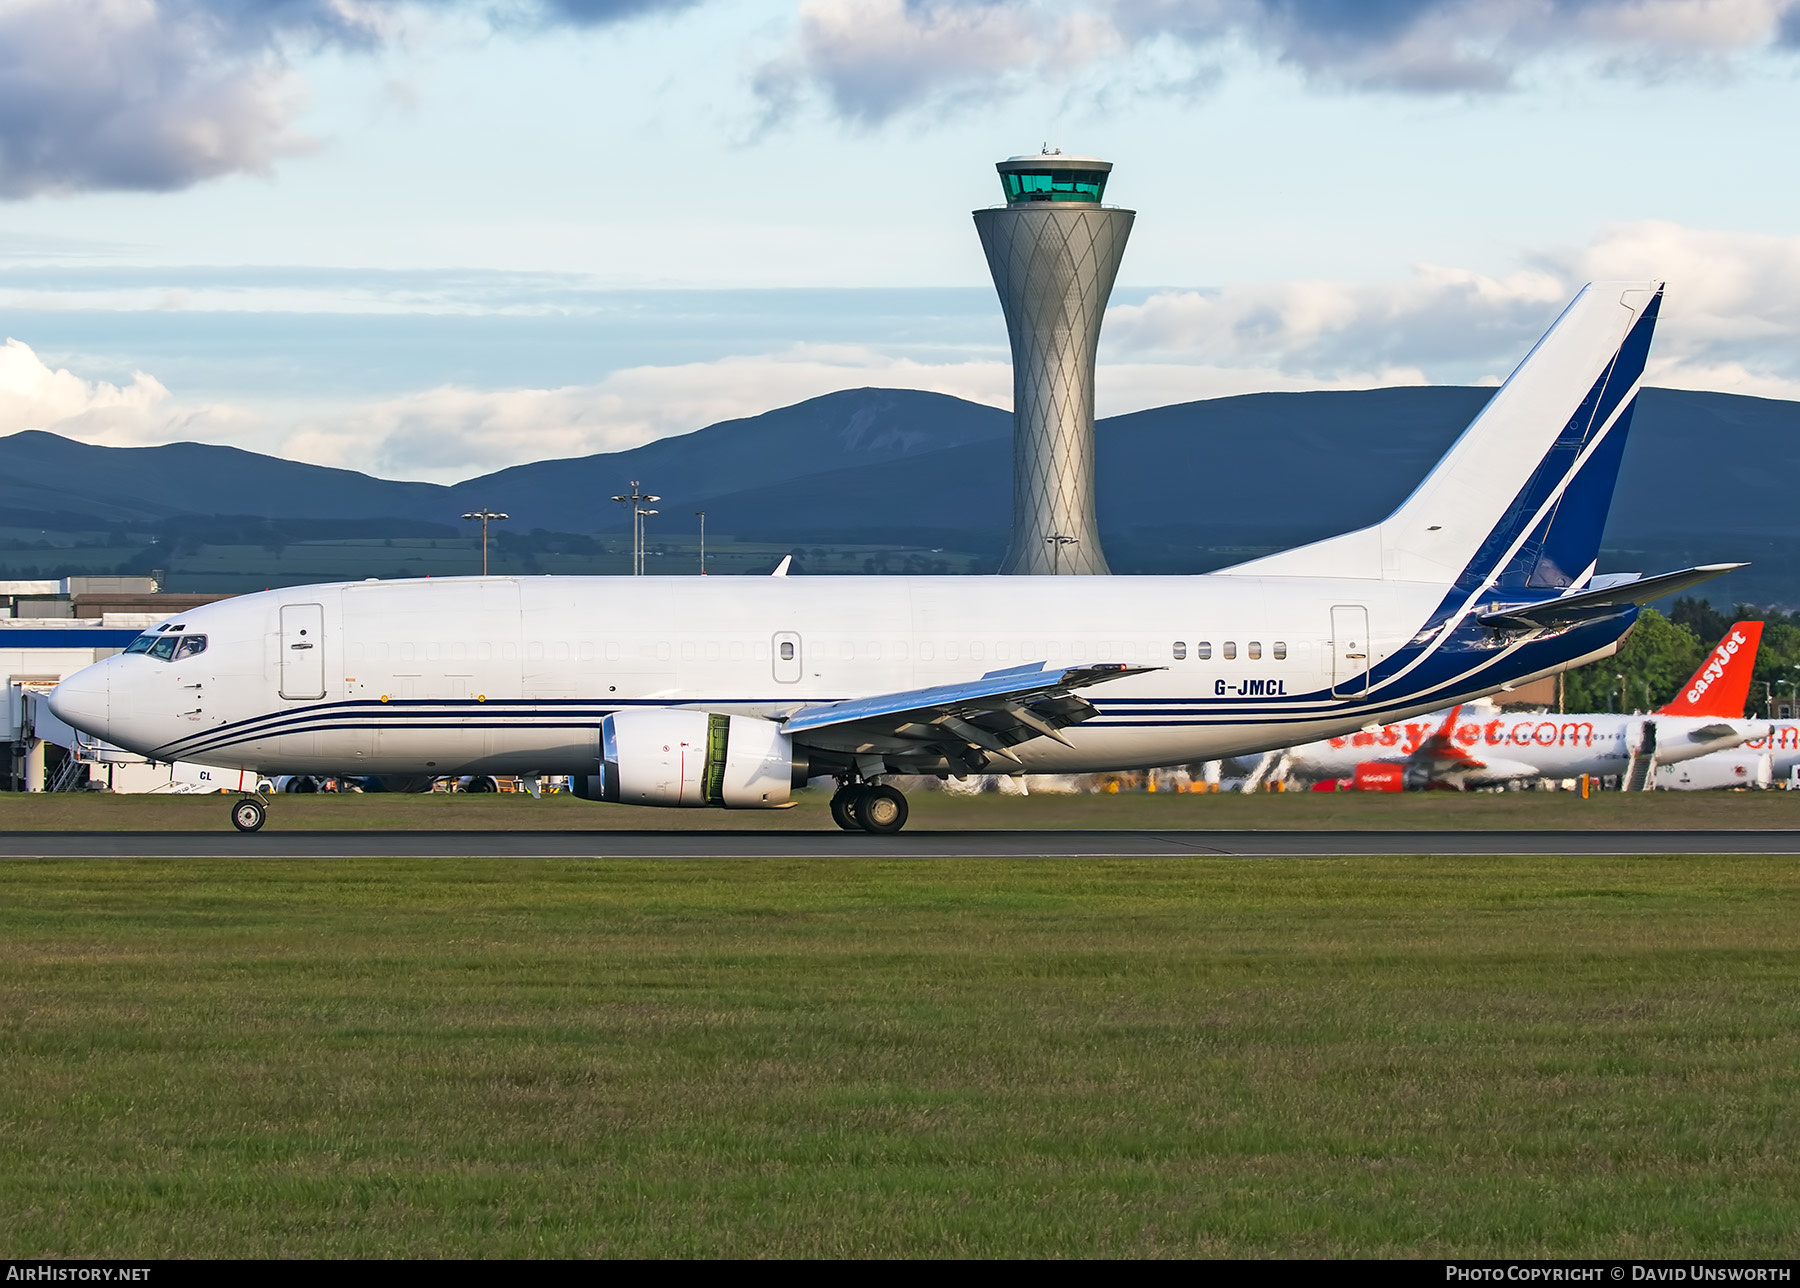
(1590, 605)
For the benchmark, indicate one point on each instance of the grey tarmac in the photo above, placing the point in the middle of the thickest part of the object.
(906, 845)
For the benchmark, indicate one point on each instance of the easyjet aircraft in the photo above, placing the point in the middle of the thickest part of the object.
(1461, 750)
(730, 690)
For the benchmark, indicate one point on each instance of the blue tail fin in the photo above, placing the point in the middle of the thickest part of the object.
(1521, 499)
(1584, 465)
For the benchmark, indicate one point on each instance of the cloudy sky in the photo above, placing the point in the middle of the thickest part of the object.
(429, 239)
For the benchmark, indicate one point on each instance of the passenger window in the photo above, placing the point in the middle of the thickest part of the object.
(787, 650)
(1229, 651)
(1281, 650)
(1180, 650)
(1254, 652)
(164, 648)
(191, 646)
(1203, 650)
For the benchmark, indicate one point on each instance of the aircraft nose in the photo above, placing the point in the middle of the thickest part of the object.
(83, 699)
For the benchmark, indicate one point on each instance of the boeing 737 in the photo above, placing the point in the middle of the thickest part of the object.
(729, 692)
(1467, 749)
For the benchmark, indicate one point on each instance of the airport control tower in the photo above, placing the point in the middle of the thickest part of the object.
(1054, 251)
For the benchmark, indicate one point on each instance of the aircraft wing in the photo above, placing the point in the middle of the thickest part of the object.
(966, 722)
(1588, 605)
(1714, 732)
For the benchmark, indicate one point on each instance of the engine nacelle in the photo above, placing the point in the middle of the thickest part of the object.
(1379, 776)
(691, 759)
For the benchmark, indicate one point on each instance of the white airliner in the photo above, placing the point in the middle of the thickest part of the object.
(730, 691)
(1465, 748)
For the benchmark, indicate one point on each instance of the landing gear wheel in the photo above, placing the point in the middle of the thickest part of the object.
(843, 808)
(248, 815)
(881, 810)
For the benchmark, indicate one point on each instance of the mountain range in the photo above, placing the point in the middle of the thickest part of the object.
(1181, 488)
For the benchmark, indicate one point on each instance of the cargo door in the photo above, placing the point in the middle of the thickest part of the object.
(303, 651)
(1349, 650)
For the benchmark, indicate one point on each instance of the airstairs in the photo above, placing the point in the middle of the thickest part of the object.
(1640, 774)
(72, 777)
(1273, 767)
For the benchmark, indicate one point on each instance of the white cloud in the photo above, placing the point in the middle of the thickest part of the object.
(158, 95)
(874, 57)
(1730, 319)
(34, 395)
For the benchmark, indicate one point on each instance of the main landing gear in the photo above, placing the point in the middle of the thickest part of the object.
(870, 808)
(248, 814)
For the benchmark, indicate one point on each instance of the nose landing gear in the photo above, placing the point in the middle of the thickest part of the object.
(875, 808)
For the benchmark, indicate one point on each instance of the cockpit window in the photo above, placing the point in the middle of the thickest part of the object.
(168, 648)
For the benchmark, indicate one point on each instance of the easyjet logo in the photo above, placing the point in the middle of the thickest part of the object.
(1715, 666)
(1780, 738)
(1495, 733)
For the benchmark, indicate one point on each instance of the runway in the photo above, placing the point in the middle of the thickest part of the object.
(907, 845)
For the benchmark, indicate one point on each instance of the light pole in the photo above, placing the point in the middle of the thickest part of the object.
(702, 514)
(486, 516)
(1620, 675)
(637, 501)
(1056, 541)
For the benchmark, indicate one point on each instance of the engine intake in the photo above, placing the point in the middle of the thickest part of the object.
(693, 759)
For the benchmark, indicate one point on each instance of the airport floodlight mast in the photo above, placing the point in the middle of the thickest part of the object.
(702, 514)
(637, 501)
(486, 516)
(1054, 251)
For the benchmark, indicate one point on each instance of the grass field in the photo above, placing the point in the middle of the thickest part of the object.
(930, 811)
(1507, 1057)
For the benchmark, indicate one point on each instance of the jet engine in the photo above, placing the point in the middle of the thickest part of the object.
(690, 759)
(1384, 776)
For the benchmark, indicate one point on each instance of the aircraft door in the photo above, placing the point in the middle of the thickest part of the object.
(1350, 650)
(303, 651)
(785, 657)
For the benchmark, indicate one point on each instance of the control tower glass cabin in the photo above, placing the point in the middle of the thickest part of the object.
(1054, 251)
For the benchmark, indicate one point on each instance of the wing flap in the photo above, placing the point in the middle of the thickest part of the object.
(967, 722)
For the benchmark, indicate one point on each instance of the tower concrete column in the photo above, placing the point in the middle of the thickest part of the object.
(1054, 251)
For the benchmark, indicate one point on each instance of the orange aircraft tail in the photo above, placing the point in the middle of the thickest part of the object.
(1722, 683)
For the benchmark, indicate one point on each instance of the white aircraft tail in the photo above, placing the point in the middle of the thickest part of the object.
(1520, 499)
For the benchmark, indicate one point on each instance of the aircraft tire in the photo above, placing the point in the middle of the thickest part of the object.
(843, 808)
(881, 810)
(248, 815)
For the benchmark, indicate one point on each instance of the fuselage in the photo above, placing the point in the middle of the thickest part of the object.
(515, 674)
(1541, 744)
